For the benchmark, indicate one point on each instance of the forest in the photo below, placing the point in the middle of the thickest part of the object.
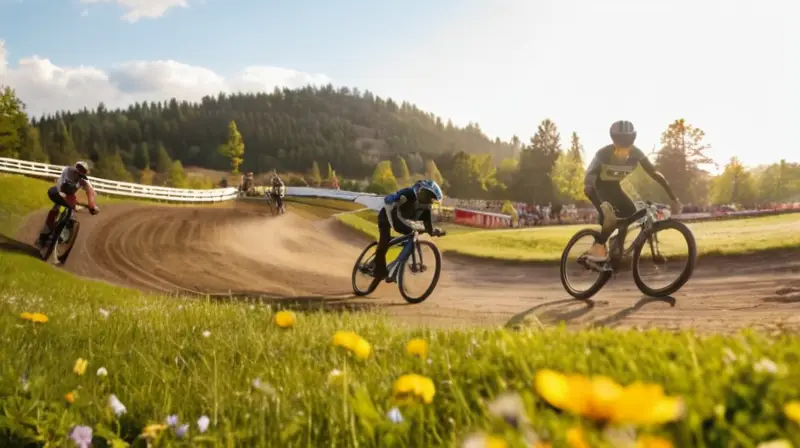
(367, 143)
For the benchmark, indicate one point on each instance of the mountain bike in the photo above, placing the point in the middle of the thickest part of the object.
(410, 260)
(65, 232)
(650, 224)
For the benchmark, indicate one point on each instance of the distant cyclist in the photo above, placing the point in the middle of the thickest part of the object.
(609, 167)
(72, 179)
(277, 191)
(399, 210)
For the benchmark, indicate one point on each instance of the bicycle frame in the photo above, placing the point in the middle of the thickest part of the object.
(643, 219)
(409, 243)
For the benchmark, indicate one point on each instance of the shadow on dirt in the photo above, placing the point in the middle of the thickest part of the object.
(12, 245)
(789, 294)
(329, 304)
(552, 312)
(617, 318)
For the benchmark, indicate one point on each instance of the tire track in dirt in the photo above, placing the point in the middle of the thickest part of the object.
(240, 249)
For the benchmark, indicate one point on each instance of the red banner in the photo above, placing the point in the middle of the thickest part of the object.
(479, 219)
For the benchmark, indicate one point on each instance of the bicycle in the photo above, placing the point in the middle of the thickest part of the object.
(65, 231)
(648, 221)
(411, 248)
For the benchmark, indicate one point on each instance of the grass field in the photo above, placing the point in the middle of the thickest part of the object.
(731, 237)
(235, 377)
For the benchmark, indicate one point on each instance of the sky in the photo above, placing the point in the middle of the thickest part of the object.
(729, 67)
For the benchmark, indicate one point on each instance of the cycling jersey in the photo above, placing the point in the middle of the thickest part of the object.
(71, 181)
(403, 207)
(606, 167)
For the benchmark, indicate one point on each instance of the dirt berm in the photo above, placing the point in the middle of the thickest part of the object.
(238, 250)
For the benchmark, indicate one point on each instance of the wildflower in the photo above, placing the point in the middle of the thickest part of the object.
(411, 386)
(105, 313)
(765, 365)
(263, 387)
(80, 366)
(417, 347)
(71, 396)
(600, 398)
(206, 334)
(202, 423)
(285, 319)
(653, 442)
(152, 431)
(336, 376)
(779, 443)
(38, 318)
(102, 371)
(352, 342)
(510, 408)
(728, 355)
(481, 440)
(576, 438)
(792, 411)
(172, 420)
(394, 415)
(116, 405)
(181, 431)
(81, 435)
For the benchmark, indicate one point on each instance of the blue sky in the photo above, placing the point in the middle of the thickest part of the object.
(730, 68)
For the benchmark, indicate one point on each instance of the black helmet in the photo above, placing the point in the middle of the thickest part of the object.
(623, 134)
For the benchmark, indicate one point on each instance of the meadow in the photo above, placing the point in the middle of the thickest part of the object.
(85, 361)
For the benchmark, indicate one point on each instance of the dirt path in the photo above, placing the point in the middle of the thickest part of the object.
(240, 250)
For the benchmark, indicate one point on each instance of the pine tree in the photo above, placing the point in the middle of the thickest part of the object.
(141, 157)
(680, 158)
(432, 172)
(315, 178)
(233, 148)
(32, 148)
(176, 177)
(163, 161)
(383, 180)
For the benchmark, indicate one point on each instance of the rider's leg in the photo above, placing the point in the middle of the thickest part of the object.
(607, 219)
(625, 207)
(385, 234)
(58, 202)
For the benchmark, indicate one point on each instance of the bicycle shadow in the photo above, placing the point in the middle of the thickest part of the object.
(616, 318)
(789, 294)
(15, 246)
(563, 310)
(342, 303)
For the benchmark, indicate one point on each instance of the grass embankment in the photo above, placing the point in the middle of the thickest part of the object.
(256, 384)
(732, 237)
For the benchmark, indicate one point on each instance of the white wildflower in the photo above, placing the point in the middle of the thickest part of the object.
(394, 415)
(202, 423)
(102, 371)
(206, 334)
(105, 313)
(116, 405)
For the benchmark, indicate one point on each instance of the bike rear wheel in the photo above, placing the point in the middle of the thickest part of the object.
(418, 264)
(658, 258)
(364, 269)
(62, 252)
(600, 277)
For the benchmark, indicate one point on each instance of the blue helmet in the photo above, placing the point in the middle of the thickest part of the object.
(427, 191)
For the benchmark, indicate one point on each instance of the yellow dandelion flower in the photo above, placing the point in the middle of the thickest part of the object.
(353, 343)
(285, 319)
(541, 444)
(412, 386)
(153, 430)
(417, 347)
(792, 411)
(71, 396)
(38, 318)
(495, 442)
(653, 442)
(80, 366)
(779, 443)
(601, 398)
(576, 438)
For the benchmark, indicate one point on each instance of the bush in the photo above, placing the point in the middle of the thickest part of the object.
(296, 181)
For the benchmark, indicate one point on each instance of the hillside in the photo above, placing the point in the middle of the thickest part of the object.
(286, 130)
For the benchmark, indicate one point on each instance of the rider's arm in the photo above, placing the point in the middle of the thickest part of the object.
(427, 220)
(648, 168)
(87, 187)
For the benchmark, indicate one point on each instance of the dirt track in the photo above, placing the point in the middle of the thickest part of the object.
(239, 250)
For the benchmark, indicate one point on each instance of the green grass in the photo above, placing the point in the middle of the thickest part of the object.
(730, 237)
(160, 363)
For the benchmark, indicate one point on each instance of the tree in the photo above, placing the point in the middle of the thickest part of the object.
(533, 181)
(32, 148)
(141, 156)
(507, 170)
(400, 169)
(568, 172)
(680, 158)
(111, 166)
(176, 177)
(63, 151)
(432, 172)
(146, 176)
(13, 123)
(734, 186)
(383, 180)
(779, 182)
(464, 177)
(163, 161)
(233, 148)
(330, 175)
(315, 178)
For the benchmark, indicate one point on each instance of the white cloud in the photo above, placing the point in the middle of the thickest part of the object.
(143, 9)
(46, 87)
(84, 13)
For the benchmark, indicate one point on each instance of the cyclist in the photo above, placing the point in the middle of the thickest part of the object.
(278, 191)
(399, 210)
(610, 166)
(71, 180)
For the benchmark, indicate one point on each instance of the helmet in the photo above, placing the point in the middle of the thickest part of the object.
(623, 134)
(427, 191)
(82, 168)
(250, 175)
(276, 180)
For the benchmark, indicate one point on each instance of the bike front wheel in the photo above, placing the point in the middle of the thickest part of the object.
(573, 269)
(364, 270)
(414, 264)
(676, 248)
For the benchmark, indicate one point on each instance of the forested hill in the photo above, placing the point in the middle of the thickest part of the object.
(286, 130)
